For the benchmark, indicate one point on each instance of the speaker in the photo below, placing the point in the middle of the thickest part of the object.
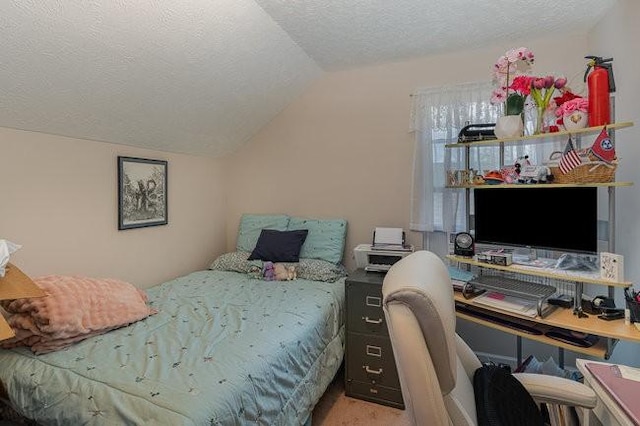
(463, 244)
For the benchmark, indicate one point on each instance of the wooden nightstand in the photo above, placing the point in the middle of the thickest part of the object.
(370, 369)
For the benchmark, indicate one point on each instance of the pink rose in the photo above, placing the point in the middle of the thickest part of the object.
(576, 104)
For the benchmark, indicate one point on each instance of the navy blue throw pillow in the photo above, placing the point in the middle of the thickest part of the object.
(279, 246)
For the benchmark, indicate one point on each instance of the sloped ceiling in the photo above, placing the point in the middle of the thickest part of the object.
(203, 76)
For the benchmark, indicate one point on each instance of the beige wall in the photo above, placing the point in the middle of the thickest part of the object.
(343, 148)
(58, 198)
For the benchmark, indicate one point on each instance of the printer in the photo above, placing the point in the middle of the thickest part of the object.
(387, 248)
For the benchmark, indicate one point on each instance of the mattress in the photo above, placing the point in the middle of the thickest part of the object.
(224, 349)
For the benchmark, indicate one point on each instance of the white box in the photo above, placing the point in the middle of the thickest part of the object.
(611, 266)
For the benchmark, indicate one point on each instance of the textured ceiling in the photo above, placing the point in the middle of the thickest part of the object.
(203, 76)
(342, 33)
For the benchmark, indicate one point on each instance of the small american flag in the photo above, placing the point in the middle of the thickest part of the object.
(570, 158)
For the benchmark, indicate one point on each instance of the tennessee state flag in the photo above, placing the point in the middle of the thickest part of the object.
(603, 147)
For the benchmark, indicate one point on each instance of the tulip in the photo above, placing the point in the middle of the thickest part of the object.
(560, 82)
(548, 81)
(538, 83)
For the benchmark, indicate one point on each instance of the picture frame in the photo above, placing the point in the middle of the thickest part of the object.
(142, 192)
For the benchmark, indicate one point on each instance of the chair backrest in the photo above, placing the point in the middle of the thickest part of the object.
(435, 366)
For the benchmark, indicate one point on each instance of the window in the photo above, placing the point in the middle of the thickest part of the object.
(437, 116)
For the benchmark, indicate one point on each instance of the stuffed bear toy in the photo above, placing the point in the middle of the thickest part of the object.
(269, 271)
(284, 272)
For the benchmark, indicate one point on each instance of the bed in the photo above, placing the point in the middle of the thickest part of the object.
(225, 348)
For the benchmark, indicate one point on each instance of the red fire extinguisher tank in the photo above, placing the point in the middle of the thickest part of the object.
(600, 83)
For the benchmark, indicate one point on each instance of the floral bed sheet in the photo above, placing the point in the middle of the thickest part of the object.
(223, 349)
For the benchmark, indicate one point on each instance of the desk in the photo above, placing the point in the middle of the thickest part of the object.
(607, 410)
(611, 331)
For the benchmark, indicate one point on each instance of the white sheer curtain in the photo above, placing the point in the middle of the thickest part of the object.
(437, 115)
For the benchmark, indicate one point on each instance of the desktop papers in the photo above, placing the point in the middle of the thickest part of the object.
(384, 236)
(389, 239)
(517, 305)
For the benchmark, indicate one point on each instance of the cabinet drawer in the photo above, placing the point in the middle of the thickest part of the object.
(375, 393)
(370, 359)
(364, 309)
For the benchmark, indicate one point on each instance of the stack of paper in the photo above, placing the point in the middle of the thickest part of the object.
(389, 239)
(526, 307)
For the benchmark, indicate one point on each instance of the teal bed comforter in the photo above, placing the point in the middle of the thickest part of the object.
(224, 349)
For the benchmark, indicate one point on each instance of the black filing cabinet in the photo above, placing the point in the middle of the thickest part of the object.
(370, 368)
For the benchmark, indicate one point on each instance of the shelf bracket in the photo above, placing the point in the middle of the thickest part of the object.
(577, 301)
(611, 344)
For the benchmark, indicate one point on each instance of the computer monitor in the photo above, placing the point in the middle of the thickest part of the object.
(562, 219)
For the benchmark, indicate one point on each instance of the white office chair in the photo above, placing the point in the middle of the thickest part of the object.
(435, 365)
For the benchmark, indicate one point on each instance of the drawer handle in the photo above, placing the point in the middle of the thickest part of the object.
(376, 302)
(370, 371)
(372, 321)
(374, 351)
(372, 390)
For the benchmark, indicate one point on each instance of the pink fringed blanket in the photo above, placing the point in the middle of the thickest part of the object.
(75, 308)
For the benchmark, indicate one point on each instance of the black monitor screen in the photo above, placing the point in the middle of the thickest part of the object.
(563, 219)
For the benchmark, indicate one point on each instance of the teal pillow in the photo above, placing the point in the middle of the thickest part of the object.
(320, 270)
(252, 224)
(325, 240)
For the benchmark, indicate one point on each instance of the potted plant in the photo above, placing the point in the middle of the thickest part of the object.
(513, 87)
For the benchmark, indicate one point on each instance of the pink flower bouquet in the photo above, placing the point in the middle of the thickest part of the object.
(576, 104)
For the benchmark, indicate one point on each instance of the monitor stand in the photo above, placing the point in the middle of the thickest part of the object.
(528, 256)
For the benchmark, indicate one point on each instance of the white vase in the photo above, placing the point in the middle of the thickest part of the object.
(575, 120)
(509, 126)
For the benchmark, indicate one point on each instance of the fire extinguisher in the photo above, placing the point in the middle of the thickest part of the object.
(600, 83)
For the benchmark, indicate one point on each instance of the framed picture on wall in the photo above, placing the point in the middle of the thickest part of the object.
(142, 192)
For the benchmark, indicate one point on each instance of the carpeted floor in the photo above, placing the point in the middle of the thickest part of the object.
(337, 409)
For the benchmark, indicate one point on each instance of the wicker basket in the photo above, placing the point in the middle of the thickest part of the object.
(591, 171)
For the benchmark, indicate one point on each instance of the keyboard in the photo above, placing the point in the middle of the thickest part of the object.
(496, 319)
(512, 286)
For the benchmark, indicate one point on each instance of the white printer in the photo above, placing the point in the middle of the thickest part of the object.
(388, 247)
